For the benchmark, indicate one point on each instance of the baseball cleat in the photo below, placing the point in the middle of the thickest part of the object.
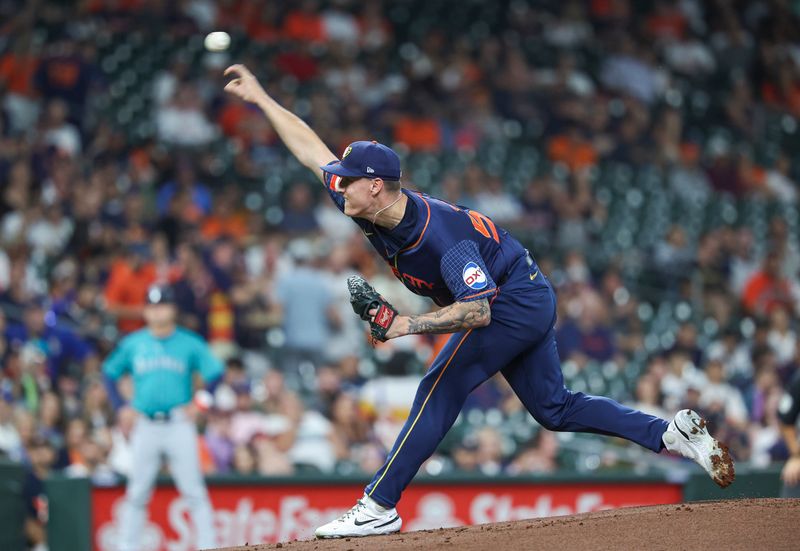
(687, 436)
(366, 518)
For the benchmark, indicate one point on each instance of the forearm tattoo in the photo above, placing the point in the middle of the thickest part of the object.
(456, 317)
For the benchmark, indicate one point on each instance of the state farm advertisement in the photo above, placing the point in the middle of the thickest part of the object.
(270, 513)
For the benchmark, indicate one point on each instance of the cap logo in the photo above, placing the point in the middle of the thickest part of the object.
(347, 151)
(370, 170)
(154, 295)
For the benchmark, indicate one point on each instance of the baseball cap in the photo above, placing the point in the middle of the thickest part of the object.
(160, 294)
(367, 159)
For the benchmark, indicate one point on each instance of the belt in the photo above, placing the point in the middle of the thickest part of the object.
(528, 261)
(528, 258)
(159, 416)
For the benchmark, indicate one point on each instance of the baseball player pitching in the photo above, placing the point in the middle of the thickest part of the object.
(499, 307)
(163, 358)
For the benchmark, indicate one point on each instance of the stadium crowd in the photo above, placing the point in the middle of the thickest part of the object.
(93, 212)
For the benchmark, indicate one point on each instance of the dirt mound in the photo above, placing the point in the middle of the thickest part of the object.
(736, 524)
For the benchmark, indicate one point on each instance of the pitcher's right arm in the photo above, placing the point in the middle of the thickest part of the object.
(301, 140)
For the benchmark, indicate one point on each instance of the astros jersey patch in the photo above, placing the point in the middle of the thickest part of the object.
(465, 274)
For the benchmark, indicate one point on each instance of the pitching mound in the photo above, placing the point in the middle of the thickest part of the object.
(736, 524)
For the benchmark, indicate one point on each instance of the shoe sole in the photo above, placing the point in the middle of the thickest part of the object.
(391, 529)
(721, 470)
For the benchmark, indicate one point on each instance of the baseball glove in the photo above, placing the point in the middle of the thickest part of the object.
(364, 298)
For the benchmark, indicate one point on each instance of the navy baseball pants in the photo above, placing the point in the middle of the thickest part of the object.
(520, 343)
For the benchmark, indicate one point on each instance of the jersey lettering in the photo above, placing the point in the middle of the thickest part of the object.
(483, 225)
(414, 282)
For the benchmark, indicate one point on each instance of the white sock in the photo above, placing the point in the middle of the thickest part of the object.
(372, 504)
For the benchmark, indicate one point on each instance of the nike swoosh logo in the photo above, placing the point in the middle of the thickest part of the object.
(358, 523)
(368, 234)
(387, 523)
(533, 276)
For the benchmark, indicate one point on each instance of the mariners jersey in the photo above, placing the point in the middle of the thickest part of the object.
(447, 253)
(162, 368)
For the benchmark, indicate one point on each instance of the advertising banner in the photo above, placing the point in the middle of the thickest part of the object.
(271, 513)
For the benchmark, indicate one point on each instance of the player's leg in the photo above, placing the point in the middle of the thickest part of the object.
(456, 371)
(535, 375)
(146, 452)
(536, 378)
(184, 465)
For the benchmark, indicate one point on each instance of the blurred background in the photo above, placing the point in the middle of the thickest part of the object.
(646, 153)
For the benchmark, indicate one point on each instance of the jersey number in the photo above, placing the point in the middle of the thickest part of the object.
(483, 225)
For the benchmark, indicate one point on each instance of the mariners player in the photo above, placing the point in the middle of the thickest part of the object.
(163, 359)
(499, 307)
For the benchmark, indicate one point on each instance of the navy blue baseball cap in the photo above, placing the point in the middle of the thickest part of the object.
(367, 160)
(160, 294)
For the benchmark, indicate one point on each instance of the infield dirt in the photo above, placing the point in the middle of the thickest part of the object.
(769, 524)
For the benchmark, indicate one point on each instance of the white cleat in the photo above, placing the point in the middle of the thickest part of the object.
(366, 518)
(687, 436)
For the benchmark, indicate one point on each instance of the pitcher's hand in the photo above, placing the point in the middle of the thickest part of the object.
(244, 84)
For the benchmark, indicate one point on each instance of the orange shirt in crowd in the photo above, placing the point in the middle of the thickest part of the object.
(17, 73)
(233, 225)
(304, 27)
(418, 134)
(231, 117)
(128, 287)
(763, 292)
(788, 98)
(576, 154)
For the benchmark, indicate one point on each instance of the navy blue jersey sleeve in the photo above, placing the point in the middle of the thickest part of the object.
(331, 185)
(465, 273)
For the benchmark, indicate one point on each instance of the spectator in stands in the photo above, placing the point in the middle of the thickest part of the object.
(187, 186)
(587, 333)
(631, 70)
(59, 346)
(42, 459)
(10, 442)
(49, 233)
(648, 396)
(243, 460)
(350, 428)
(489, 451)
(120, 457)
(306, 308)
(539, 456)
(183, 121)
(497, 203)
(126, 289)
(64, 74)
(743, 260)
(298, 215)
(18, 65)
(767, 289)
(779, 183)
(51, 420)
(782, 338)
(672, 256)
(718, 395)
(686, 177)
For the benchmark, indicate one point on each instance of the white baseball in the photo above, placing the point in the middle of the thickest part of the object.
(217, 41)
